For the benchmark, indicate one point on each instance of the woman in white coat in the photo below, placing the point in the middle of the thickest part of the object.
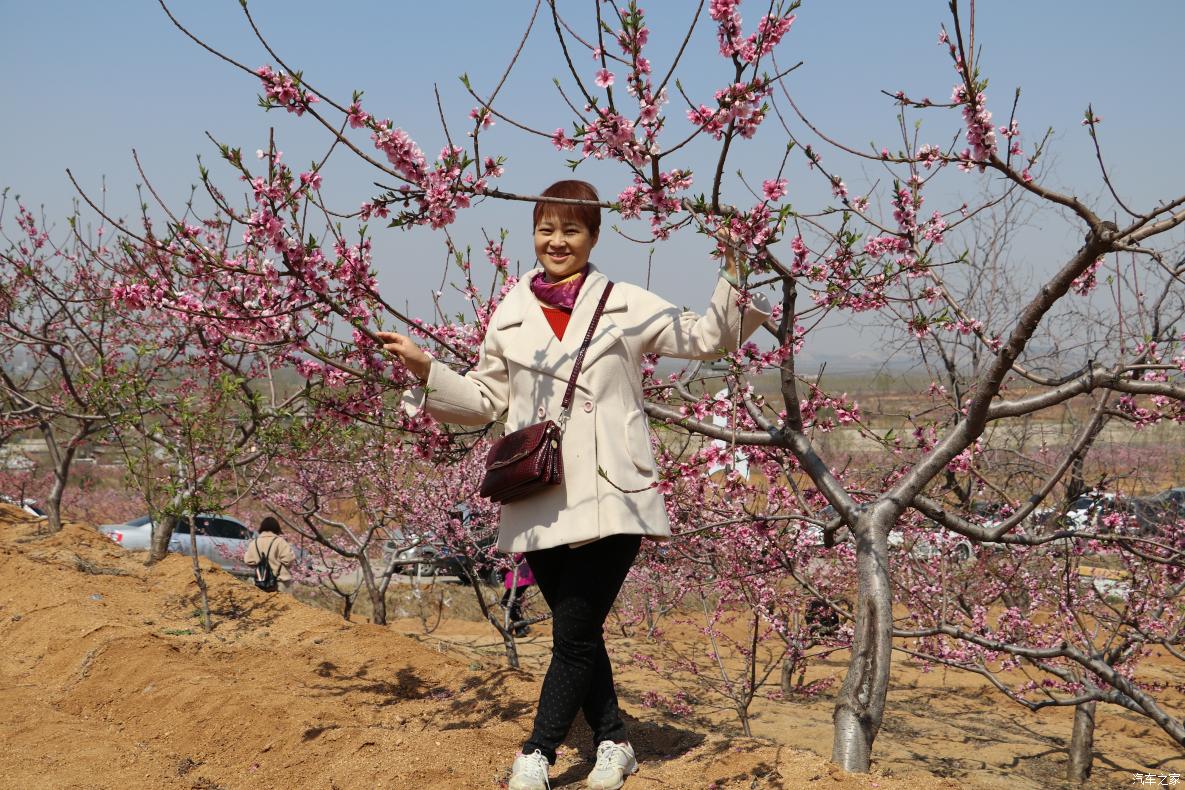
(581, 537)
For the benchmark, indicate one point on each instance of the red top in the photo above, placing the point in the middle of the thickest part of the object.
(558, 319)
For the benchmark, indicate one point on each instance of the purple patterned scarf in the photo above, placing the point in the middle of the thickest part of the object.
(561, 294)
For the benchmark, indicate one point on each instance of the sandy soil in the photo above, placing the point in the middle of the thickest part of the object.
(108, 680)
(938, 723)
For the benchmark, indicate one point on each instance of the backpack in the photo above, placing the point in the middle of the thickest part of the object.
(265, 577)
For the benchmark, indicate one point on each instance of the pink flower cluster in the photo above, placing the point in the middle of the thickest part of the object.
(561, 141)
(754, 229)
(817, 403)
(356, 116)
(930, 155)
(739, 103)
(612, 135)
(401, 151)
(632, 38)
(134, 296)
(662, 200)
(482, 117)
(934, 228)
(1011, 132)
(440, 189)
(774, 189)
(1085, 283)
(876, 246)
(770, 31)
(981, 135)
(494, 255)
(441, 197)
(905, 206)
(283, 90)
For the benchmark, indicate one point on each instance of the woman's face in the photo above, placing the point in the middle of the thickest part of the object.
(562, 246)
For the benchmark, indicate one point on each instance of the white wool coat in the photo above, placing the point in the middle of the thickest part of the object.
(522, 372)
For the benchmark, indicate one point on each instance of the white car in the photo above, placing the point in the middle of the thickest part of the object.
(220, 538)
(1086, 511)
(27, 505)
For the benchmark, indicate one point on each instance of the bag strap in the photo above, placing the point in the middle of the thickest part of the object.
(266, 557)
(566, 404)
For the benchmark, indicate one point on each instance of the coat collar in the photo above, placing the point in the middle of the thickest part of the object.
(520, 304)
(535, 344)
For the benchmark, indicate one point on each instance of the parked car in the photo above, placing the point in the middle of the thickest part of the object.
(485, 568)
(419, 557)
(1110, 584)
(220, 538)
(1155, 511)
(27, 505)
(957, 547)
(411, 556)
(923, 547)
(1143, 514)
(1086, 511)
(134, 535)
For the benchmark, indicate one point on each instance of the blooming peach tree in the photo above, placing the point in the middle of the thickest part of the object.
(259, 274)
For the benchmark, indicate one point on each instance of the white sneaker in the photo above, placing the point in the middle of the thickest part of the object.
(615, 761)
(529, 772)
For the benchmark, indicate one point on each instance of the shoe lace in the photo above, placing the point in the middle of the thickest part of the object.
(606, 751)
(535, 766)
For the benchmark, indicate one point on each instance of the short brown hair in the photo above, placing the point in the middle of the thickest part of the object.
(269, 524)
(589, 216)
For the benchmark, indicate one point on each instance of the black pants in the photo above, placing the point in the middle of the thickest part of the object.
(579, 585)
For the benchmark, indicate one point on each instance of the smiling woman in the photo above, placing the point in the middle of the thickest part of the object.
(579, 537)
(565, 233)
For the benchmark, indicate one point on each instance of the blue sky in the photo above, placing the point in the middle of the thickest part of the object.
(88, 82)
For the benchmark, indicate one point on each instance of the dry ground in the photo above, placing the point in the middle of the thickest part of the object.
(107, 680)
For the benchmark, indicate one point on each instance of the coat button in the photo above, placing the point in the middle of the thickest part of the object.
(542, 412)
(588, 406)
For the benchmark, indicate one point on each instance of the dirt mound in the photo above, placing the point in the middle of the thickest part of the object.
(109, 680)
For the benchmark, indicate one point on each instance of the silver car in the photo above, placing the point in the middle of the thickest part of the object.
(220, 538)
(135, 535)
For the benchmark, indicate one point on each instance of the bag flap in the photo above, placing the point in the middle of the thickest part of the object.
(518, 445)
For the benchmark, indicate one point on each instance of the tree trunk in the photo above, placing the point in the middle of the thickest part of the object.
(162, 530)
(794, 663)
(861, 702)
(53, 504)
(197, 574)
(61, 473)
(1081, 743)
(743, 715)
(53, 514)
(378, 601)
(1076, 486)
(788, 675)
(507, 634)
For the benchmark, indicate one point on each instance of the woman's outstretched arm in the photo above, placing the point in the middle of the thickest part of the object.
(478, 397)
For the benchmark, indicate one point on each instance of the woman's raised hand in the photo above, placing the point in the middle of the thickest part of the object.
(411, 355)
(730, 260)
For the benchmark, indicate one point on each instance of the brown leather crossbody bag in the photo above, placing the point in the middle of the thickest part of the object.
(531, 458)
